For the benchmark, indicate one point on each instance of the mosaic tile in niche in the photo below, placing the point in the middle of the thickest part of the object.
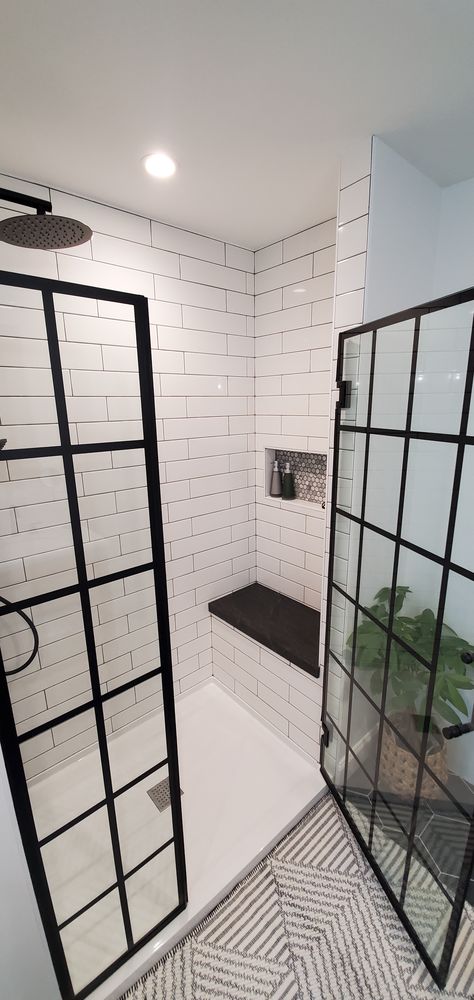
(309, 473)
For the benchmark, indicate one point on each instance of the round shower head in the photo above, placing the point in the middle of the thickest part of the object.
(44, 232)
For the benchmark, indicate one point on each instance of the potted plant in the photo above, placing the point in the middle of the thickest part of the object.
(407, 689)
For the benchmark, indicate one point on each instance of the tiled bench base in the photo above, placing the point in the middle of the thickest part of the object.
(284, 696)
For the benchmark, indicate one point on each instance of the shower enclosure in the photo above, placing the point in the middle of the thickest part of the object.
(398, 749)
(83, 589)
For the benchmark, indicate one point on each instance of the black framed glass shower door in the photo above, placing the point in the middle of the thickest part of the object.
(398, 751)
(87, 723)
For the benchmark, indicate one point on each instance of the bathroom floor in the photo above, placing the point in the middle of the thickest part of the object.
(243, 789)
(311, 922)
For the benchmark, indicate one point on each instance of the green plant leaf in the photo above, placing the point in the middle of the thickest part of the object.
(455, 698)
(446, 712)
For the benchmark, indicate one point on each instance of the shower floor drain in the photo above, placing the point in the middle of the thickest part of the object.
(160, 794)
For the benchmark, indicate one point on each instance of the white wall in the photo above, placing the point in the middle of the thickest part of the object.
(403, 234)
(454, 263)
(294, 286)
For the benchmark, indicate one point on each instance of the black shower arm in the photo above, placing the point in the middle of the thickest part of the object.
(27, 200)
(34, 630)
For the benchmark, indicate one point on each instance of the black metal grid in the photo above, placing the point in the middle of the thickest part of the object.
(11, 742)
(439, 970)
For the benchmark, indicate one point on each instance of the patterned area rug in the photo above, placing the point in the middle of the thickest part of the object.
(311, 921)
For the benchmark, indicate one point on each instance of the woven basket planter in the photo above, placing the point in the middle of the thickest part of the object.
(399, 767)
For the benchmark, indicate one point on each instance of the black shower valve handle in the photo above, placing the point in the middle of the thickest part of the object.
(467, 657)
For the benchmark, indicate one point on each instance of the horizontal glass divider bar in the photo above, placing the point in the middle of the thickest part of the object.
(98, 446)
(433, 306)
(135, 682)
(87, 906)
(402, 433)
(86, 706)
(54, 285)
(141, 777)
(391, 537)
(76, 449)
(102, 802)
(74, 588)
(110, 888)
(43, 727)
(376, 621)
(141, 864)
(72, 822)
(466, 814)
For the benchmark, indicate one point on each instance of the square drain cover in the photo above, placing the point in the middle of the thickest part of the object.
(160, 794)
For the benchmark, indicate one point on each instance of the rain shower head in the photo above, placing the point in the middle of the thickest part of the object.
(41, 231)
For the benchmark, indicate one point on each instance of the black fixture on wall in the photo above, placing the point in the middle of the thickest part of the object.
(95, 700)
(43, 231)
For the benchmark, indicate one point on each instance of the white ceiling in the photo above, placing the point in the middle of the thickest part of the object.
(255, 99)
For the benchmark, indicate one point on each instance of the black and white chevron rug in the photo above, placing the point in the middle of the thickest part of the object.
(311, 922)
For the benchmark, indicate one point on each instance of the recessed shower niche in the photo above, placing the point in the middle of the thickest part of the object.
(309, 473)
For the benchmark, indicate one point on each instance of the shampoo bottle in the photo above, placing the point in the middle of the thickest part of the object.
(275, 486)
(288, 485)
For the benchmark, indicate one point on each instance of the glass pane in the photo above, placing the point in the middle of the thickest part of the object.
(60, 794)
(346, 554)
(463, 543)
(152, 892)
(443, 353)
(79, 864)
(94, 940)
(364, 729)
(356, 370)
(376, 571)
(393, 355)
(383, 481)
(428, 494)
(427, 905)
(338, 695)
(458, 638)
(115, 538)
(371, 643)
(351, 471)
(37, 555)
(342, 627)
(143, 827)
(137, 739)
(100, 366)
(29, 417)
(418, 586)
(359, 790)
(126, 631)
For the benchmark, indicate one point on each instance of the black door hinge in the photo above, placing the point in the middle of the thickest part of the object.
(344, 393)
(325, 735)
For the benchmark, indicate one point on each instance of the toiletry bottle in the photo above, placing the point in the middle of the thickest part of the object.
(288, 485)
(275, 486)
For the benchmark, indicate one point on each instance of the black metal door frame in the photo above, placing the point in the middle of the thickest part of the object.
(438, 972)
(10, 741)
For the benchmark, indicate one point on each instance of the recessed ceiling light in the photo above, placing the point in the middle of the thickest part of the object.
(160, 165)
(299, 291)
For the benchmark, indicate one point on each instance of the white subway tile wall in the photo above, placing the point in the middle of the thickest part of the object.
(201, 312)
(285, 697)
(294, 286)
(348, 305)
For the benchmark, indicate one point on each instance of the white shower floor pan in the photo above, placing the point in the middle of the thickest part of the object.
(243, 788)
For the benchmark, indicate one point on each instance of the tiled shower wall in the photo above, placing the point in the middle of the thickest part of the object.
(201, 304)
(351, 257)
(294, 286)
